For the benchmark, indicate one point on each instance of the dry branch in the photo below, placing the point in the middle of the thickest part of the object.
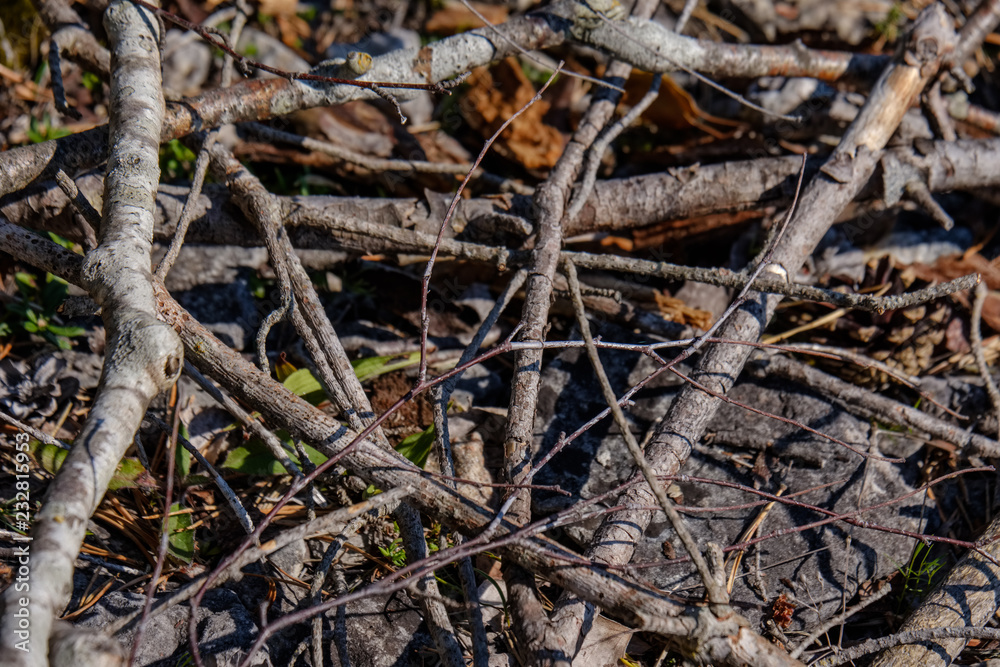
(143, 356)
(257, 100)
(841, 179)
(698, 633)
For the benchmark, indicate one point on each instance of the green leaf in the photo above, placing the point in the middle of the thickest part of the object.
(91, 81)
(417, 447)
(180, 539)
(49, 457)
(131, 475)
(303, 383)
(254, 458)
(26, 281)
(183, 460)
(69, 332)
(371, 367)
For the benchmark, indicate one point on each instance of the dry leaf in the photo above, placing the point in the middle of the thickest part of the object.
(673, 108)
(498, 94)
(956, 266)
(676, 310)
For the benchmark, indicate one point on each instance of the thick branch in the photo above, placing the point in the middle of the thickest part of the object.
(143, 356)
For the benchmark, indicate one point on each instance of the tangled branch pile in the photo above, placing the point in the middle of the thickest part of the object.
(493, 323)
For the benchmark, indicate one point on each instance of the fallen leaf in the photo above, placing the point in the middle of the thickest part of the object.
(955, 266)
(497, 94)
(674, 108)
(676, 310)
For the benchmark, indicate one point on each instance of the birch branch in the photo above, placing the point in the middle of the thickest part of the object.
(143, 356)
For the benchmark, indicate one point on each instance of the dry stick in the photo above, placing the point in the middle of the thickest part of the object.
(260, 100)
(569, 615)
(161, 554)
(533, 58)
(425, 281)
(58, 91)
(243, 9)
(617, 205)
(246, 65)
(850, 518)
(201, 163)
(144, 356)
(715, 593)
(319, 577)
(586, 187)
(966, 597)
(909, 639)
(413, 240)
(976, 336)
(335, 370)
(367, 161)
(81, 203)
(275, 316)
(37, 434)
(72, 38)
(188, 212)
(623, 34)
(442, 441)
(863, 361)
(688, 414)
(873, 406)
(651, 47)
(435, 614)
(689, 7)
(324, 524)
(227, 492)
(334, 367)
(840, 618)
(982, 22)
(726, 640)
(382, 164)
(531, 624)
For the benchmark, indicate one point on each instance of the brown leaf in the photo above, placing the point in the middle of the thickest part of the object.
(498, 94)
(956, 266)
(676, 310)
(673, 108)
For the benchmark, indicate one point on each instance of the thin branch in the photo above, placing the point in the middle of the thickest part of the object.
(906, 637)
(976, 339)
(715, 593)
(425, 281)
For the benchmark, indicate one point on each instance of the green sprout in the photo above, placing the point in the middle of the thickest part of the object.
(35, 312)
(395, 553)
